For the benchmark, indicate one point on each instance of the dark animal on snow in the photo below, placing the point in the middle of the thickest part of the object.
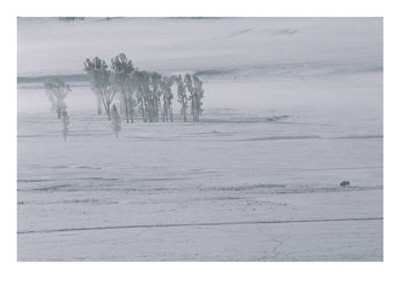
(345, 184)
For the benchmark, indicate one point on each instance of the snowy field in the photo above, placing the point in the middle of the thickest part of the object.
(292, 107)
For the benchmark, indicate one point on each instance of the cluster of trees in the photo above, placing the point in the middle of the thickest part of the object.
(142, 93)
(125, 92)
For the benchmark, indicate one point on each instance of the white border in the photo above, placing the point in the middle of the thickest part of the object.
(197, 281)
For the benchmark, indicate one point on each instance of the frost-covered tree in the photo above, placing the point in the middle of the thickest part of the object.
(56, 91)
(154, 103)
(198, 94)
(167, 96)
(115, 120)
(141, 80)
(101, 83)
(189, 87)
(182, 96)
(65, 121)
(122, 80)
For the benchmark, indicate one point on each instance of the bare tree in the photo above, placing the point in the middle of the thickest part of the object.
(141, 81)
(189, 86)
(154, 103)
(57, 90)
(101, 84)
(182, 96)
(122, 69)
(198, 94)
(167, 96)
(65, 121)
(115, 120)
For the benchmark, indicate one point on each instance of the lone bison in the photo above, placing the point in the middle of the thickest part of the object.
(345, 184)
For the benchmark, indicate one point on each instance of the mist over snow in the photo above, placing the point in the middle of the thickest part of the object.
(259, 45)
(338, 59)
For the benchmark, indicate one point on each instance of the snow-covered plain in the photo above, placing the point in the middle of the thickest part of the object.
(293, 106)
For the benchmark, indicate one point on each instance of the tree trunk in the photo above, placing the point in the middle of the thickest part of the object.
(142, 109)
(107, 109)
(195, 113)
(126, 110)
(145, 118)
(157, 110)
(171, 117)
(184, 115)
(99, 108)
(192, 109)
(121, 107)
(131, 114)
(163, 112)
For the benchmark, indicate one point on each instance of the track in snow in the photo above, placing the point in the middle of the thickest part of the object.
(202, 224)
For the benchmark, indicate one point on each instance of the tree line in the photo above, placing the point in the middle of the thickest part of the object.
(124, 91)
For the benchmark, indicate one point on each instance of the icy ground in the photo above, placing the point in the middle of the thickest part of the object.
(292, 108)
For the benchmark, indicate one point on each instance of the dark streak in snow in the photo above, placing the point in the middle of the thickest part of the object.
(203, 224)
